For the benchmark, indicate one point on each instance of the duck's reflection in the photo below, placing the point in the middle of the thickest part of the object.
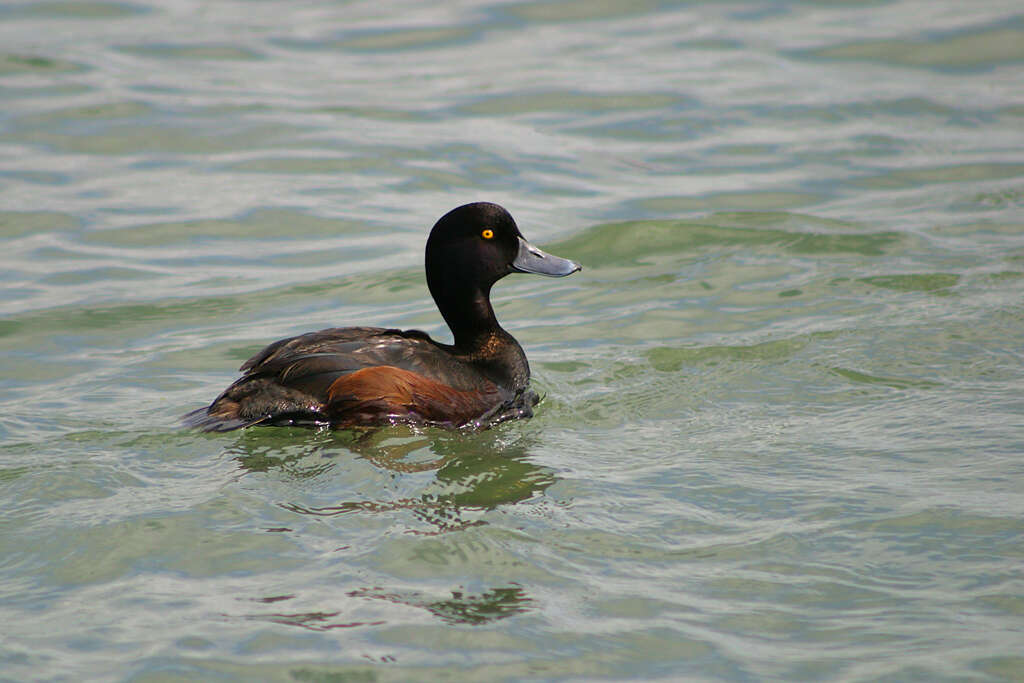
(473, 474)
(461, 608)
(290, 451)
(311, 621)
(474, 609)
(474, 471)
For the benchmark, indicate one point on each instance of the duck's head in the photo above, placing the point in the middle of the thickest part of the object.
(480, 244)
(470, 248)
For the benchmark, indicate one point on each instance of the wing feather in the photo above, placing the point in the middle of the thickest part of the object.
(362, 373)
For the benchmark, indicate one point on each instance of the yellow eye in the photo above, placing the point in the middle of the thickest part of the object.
(487, 234)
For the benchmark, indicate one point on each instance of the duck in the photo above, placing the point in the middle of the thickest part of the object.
(352, 377)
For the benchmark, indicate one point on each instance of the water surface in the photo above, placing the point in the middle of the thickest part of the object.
(782, 433)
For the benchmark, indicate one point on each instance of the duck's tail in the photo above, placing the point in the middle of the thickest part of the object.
(207, 421)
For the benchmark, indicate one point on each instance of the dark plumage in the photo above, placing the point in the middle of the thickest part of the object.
(350, 376)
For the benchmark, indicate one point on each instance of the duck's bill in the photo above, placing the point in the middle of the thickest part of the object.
(530, 259)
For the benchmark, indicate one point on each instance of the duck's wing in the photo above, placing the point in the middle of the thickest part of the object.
(361, 342)
(352, 375)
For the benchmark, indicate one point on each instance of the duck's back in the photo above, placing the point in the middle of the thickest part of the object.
(361, 376)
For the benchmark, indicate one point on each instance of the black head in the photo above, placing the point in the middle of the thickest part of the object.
(483, 243)
(479, 241)
(472, 247)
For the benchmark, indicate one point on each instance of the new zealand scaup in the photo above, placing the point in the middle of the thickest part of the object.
(354, 376)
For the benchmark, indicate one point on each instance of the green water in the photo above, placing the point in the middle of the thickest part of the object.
(782, 434)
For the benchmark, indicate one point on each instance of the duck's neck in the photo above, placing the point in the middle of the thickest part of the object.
(478, 336)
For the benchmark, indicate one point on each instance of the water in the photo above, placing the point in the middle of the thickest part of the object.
(782, 433)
